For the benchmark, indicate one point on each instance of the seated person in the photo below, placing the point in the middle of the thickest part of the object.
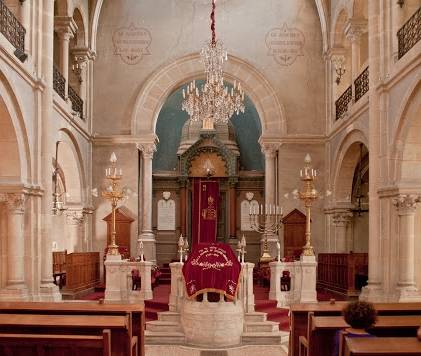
(360, 316)
(285, 281)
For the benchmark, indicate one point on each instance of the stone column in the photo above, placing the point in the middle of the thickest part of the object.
(342, 221)
(275, 293)
(308, 279)
(374, 291)
(24, 14)
(65, 28)
(48, 291)
(406, 206)
(183, 206)
(353, 31)
(16, 288)
(147, 235)
(177, 287)
(74, 222)
(397, 22)
(246, 287)
(270, 150)
(233, 208)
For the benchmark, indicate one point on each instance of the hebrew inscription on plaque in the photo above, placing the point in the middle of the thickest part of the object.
(166, 213)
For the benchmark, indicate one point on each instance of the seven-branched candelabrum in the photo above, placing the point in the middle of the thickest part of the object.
(308, 195)
(266, 221)
(114, 194)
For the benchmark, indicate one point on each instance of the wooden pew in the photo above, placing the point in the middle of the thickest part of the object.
(299, 316)
(124, 337)
(322, 330)
(391, 346)
(52, 345)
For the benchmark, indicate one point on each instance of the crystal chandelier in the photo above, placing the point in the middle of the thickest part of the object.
(214, 102)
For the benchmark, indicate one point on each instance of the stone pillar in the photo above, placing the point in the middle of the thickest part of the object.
(147, 235)
(397, 22)
(342, 221)
(233, 208)
(246, 287)
(406, 289)
(177, 287)
(183, 206)
(25, 20)
(374, 291)
(146, 284)
(74, 223)
(308, 279)
(275, 293)
(353, 31)
(270, 150)
(116, 280)
(48, 291)
(16, 288)
(65, 28)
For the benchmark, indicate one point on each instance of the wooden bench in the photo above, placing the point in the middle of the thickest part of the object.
(55, 345)
(299, 316)
(322, 330)
(126, 321)
(391, 346)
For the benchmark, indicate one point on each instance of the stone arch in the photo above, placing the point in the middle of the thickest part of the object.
(12, 123)
(406, 156)
(346, 160)
(338, 35)
(71, 163)
(165, 80)
(81, 36)
(323, 13)
(95, 21)
(360, 9)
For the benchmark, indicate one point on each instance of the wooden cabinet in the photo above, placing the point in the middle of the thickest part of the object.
(123, 221)
(294, 233)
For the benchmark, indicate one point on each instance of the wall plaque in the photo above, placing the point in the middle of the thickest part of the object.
(166, 213)
(285, 44)
(131, 43)
(247, 207)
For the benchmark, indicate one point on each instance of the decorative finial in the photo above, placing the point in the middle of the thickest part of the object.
(113, 158)
(307, 158)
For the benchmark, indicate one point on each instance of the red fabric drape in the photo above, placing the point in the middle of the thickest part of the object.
(205, 210)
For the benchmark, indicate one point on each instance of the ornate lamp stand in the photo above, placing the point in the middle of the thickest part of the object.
(308, 195)
(114, 194)
(266, 221)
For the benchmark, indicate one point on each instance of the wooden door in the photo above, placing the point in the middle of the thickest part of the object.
(294, 233)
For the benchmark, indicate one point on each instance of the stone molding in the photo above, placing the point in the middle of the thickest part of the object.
(342, 218)
(147, 150)
(75, 217)
(15, 202)
(270, 149)
(65, 26)
(406, 204)
(355, 28)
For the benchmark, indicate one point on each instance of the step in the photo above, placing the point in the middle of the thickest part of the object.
(261, 326)
(164, 338)
(255, 316)
(169, 316)
(163, 326)
(262, 338)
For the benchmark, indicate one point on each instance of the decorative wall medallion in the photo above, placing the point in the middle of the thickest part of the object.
(132, 43)
(285, 44)
(249, 196)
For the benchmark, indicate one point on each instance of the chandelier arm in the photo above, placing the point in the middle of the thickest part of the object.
(212, 16)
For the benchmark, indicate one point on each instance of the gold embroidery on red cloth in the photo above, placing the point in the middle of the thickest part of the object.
(210, 212)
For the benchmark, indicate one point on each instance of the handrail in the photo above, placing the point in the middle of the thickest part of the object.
(342, 103)
(361, 85)
(77, 102)
(59, 83)
(409, 34)
(13, 30)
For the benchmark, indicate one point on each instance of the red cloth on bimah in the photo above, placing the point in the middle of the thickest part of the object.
(212, 267)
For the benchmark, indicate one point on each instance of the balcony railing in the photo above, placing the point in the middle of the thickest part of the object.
(361, 85)
(342, 102)
(13, 30)
(409, 34)
(59, 83)
(77, 102)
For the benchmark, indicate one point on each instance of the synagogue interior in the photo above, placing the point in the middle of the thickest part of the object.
(209, 177)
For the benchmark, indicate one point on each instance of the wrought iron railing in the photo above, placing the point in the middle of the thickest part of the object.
(342, 103)
(361, 85)
(77, 102)
(409, 34)
(13, 30)
(59, 83)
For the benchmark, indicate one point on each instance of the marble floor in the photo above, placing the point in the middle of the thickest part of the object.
(249, 350)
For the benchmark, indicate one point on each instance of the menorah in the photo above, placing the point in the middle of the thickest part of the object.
(266, 221)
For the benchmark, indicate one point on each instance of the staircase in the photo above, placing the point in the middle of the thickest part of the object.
(165, 277)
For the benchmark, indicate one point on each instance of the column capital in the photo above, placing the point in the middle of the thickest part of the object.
(335, 53)
(65, 27)
(342, 218)
(147, 149)
(355, 28)
(75, 217)
(15, 202)
(406, 204)
(270, 149)
(83, 54)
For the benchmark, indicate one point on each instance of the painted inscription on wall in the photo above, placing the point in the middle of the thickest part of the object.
(285, 44)
(131, 43)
